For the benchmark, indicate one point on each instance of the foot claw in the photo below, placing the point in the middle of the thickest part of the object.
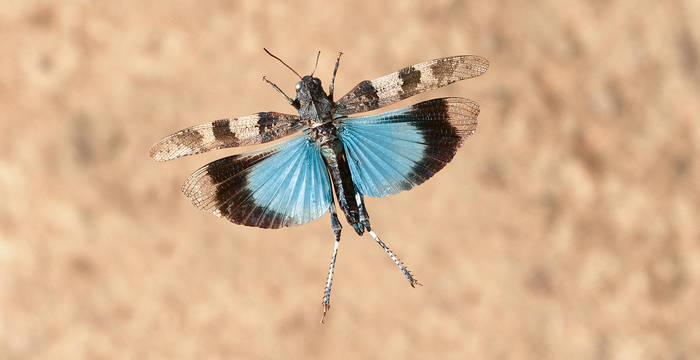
(411, 280)
(326, 307)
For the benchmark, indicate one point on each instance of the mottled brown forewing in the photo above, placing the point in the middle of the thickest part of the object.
(369, 95)
(246, 130)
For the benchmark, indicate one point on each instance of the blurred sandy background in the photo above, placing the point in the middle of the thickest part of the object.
(566, 228)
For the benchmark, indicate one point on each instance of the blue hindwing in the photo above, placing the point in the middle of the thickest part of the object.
(283, 185)
(395, 151)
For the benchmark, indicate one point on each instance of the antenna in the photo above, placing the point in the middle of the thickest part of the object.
(317, 56)
(283, 63)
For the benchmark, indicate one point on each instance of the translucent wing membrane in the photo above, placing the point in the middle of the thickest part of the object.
(284, 185)
(246, 130)
(409, 81)
(395, 151)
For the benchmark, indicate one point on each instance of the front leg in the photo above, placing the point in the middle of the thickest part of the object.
(335, 225)
(291, 101)
(335, 70)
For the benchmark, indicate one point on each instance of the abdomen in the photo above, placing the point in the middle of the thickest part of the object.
(339, 171)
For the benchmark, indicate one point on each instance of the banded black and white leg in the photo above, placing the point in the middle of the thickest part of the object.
(364, 220)
(335, 225)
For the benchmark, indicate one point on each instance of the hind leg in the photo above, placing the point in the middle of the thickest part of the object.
(364, 220)
(335, 225)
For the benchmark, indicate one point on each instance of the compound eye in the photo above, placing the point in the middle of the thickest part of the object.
(317, 81)
(298, 85)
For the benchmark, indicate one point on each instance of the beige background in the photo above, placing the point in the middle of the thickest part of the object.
(566, 228)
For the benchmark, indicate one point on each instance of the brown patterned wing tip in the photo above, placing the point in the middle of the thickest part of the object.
(409, 81)
(461, 113)
(246, 130)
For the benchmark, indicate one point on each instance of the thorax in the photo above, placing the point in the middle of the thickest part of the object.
(315, 107)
